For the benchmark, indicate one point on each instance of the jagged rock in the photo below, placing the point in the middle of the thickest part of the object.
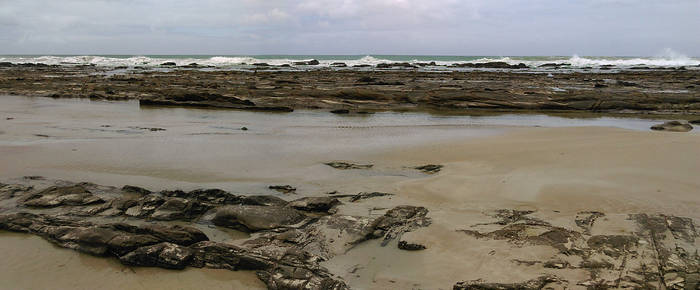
(673, 126)
(534, 284)
(408, 246)
(105, 239)
(175, 208)
(346, 165)
(314, 204)
(163, 255)
(695, 122)
(61, 195)
(253, 218)
(283, 188)
(586, 219)
(169, 63)
(430, 168)
(365, 195)
(399, 220)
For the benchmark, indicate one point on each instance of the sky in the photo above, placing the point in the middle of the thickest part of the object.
(355, 27)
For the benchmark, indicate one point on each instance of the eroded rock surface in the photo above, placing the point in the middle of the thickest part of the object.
(289, 239)
(662, 252)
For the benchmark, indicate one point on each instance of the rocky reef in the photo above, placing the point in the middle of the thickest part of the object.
(667, 91)
(288, 239)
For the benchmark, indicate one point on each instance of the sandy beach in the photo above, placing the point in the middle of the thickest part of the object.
(518, 198)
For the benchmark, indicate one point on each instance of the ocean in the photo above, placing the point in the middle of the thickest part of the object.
(232, 61)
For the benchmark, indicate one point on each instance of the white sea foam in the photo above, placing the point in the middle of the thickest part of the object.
(667, 58)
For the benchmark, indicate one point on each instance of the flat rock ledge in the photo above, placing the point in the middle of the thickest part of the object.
(661, 252)
(287, 243)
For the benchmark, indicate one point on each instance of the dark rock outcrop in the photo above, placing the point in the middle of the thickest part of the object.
(430, 168)
(252, 218)
(346, 165)
(314, 204)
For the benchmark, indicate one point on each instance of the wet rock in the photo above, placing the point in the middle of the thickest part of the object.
(408, 246)
(8, 191)
(673, 126)
(695, 122)
(339, 64)
(314, 204)
(626, 84)
(496, 64)
(612, 245)
(213, 196)
(203, 99)
(340, 111)
(105, 239)
(586, 219)
(366, 195)
(366, 79)
(346, 165)
(556, 264)
(169, 63)
(244, 128)
(179, 209)
(362, 95)
(283, 188)
(252, 218)
(135, 190)
(535, 284)
(430, 168)
(310, 62)
(399, 220)
(163, 255)
(325, 237)
(61, 195)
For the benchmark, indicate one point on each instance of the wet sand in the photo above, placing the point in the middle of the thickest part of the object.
(489, 165)
(556, 172)
(32, 263)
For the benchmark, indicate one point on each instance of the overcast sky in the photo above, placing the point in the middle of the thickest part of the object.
(451, 27)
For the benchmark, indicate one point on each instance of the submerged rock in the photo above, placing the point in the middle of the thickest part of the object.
(673, 126)
(346, 165)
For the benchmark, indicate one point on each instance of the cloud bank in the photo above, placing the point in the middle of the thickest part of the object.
(468, 27)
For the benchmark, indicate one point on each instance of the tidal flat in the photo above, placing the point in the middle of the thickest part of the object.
(390, 195)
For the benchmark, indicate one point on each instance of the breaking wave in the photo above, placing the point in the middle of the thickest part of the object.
(668, 58)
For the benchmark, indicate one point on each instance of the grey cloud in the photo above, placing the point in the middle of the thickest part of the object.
(470, 27)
